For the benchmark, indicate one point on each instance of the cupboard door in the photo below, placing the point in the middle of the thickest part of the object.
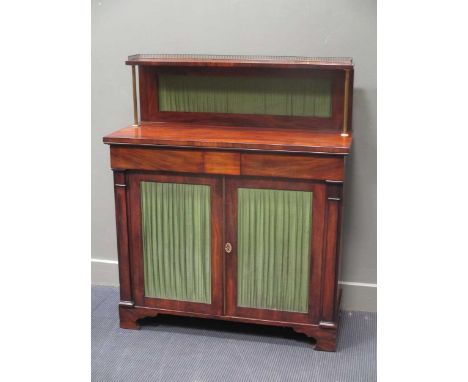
(176, 245)
(275, 230)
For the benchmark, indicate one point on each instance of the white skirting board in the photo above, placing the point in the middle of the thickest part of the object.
(356, 296)
(104, 272)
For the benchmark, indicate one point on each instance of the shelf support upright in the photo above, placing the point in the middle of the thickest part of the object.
(344, 131)
(135, 102)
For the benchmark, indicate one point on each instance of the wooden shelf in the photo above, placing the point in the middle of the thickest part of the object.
(232, 137)
(226, 61)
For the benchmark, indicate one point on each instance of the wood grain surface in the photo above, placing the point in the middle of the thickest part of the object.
(177, 134)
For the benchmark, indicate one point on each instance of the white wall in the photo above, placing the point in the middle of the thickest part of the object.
(264, 27)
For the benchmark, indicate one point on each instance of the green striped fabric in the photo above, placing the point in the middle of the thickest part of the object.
(302, 97)
(273, 255)
(176, 241)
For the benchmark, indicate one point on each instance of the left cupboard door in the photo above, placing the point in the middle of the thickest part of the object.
(176, 242)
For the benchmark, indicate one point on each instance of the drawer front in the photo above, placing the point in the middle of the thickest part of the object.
(216, 162)
(293, 166)
(190, 161)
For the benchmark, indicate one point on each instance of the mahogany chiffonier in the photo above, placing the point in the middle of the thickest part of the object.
(229, 187)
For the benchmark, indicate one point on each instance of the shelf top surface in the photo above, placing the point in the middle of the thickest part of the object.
(240, 61)
(176, 134)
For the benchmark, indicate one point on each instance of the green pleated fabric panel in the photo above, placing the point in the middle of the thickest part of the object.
(176, 241)
(273, 255)
(302, 97)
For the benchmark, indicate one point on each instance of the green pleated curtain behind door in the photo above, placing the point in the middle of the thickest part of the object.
(176, 241)
(273, 259)
(273, 254)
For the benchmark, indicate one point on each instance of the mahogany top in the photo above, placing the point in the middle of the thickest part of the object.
(284, 62)
(177, 134)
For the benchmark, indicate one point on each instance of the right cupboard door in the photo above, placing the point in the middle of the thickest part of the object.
(273, 249)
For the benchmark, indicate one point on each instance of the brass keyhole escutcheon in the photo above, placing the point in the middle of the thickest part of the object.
(228, 247)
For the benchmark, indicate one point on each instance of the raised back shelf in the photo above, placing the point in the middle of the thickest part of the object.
(261, 91)
(284, 62)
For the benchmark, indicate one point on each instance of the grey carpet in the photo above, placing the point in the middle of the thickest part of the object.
(170, 349)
